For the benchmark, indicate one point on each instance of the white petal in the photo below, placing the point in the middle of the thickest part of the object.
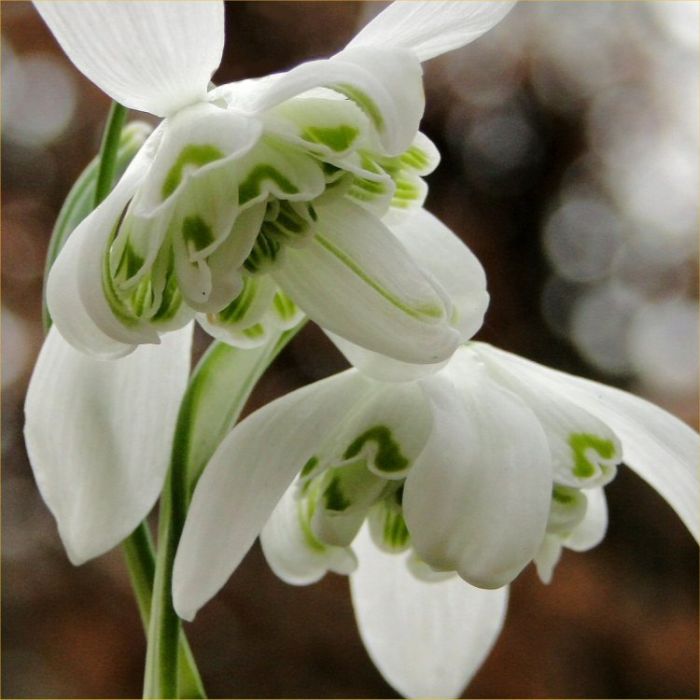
(355, 279)
(99, 435)
(587, 534)
(432, 27)
(440, 253)
(152, 56)
(548, 557)
(296, 556)
(477, 499)
(220, 135)
(591, 530)
(426, 639)
(388, 429)
(658, 446)
(246, 477)
(585, 451)
(75, 295)
(243, 323)
(386, 85)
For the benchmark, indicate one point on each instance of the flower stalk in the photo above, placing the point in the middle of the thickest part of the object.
(218, 390)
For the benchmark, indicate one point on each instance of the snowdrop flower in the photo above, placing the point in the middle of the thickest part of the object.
(248, 202)
(432, 495)
(257, 199)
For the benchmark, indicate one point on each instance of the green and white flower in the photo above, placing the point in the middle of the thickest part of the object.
(426, 493)
(249, 203)
(256, 201)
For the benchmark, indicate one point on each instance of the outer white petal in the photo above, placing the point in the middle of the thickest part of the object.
(426, 639)
(477, 499)
(152, 56)
(75, 295)
(355, 279)
(440, 253)
(432, 27)
(658, 446)
(99, 435)
(246, 477)
(290, 553)
(385, 84)
(585, 450)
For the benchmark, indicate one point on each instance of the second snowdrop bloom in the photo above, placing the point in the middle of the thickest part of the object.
(255, 201)
(469, 473)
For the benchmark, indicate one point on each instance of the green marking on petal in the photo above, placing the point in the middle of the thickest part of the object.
(250, 188)
(285, 307)
(580, 443)
(196, 155)
(406, 190)
(419, 313)
(309, 467)
(337, 138)
(238, 308)
(265, 251)
(119, 309)
(334, 497)
(567, 509)
(130, 263)
(197, 232)
(305, 510)
(371, 186)
(331, 172)
(396, 535)
(389, 458)
(171, 302)
(256, 331)
(290, 221)
(363, 101)
(564, 495)
(415, 158)
(368, 163)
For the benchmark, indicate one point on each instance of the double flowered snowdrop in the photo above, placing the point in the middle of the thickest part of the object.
(427, 492)
(249, 205)
(256, 199)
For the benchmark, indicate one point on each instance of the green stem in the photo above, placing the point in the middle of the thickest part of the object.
(217, 387)
(141, 562)
(109, 149)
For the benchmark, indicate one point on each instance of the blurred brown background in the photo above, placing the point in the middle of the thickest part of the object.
(570, 165)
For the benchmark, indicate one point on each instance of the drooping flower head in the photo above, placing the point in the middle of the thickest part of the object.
(249, 202)
(468, 473)
(255, 200)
